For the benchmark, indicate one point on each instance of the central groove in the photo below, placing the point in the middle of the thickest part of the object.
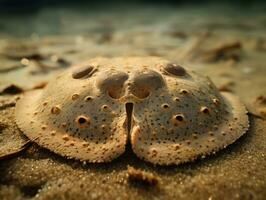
(129, 110)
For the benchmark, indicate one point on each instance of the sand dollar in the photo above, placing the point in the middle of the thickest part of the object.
(169, 114)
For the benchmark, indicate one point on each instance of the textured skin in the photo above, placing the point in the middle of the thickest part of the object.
(177, 114)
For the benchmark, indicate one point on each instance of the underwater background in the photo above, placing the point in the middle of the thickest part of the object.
(225, 40)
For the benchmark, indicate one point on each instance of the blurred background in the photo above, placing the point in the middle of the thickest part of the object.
(23, 17)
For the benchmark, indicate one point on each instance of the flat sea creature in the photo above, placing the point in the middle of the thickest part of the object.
(168, 114)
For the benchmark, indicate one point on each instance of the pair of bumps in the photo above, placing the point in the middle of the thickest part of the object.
(170, 115)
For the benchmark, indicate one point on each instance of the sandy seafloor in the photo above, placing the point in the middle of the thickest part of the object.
(54, 38)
